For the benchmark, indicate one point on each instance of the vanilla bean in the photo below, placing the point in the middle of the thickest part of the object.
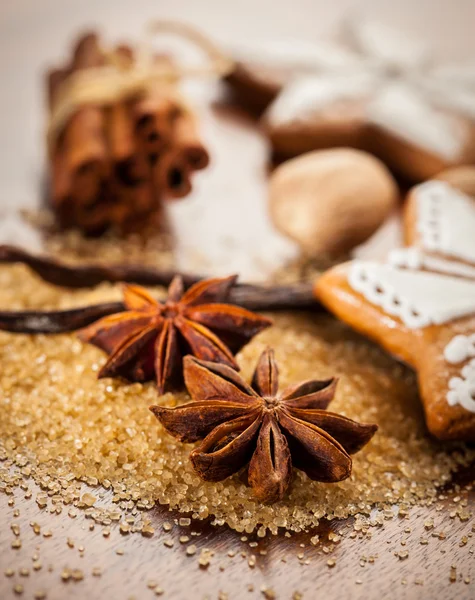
(276, 297)
(63, 321)
(81, 276)
(252, 297)
(56, 321)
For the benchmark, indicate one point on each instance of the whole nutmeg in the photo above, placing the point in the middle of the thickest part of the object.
(461, 178)
(329, 201)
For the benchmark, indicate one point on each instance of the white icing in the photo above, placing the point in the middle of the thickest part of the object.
(415, 259)
(462, 389)
(422, 103)
(389, 235)
(387, 45)
(448, 94)
(417, 298)
(406, 258)
(460, 348)
(407, 114)
(458, 74)
(298, 56)
(303, 98)
(446, 220)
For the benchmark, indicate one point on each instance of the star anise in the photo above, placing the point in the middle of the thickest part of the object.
(255, 425)
(150, 338)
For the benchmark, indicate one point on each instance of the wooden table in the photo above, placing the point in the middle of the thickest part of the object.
(368, 565)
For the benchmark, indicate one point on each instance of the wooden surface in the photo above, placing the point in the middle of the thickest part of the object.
(369, 566)
(232, 194)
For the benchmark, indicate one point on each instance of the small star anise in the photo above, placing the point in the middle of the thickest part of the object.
(254, 424)
(150, 338)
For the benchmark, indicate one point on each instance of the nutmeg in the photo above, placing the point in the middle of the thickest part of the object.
(461, 178)
(329, 201)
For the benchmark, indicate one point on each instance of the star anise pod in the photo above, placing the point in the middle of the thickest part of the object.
(255, 425)
(150, 338)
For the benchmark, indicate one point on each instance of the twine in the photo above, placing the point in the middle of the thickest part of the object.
(114, 82)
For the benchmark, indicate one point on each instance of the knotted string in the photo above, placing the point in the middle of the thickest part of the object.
(115, 81)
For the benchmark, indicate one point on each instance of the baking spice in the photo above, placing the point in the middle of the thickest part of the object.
(66, 425)
(309, 194)
(113, 159)
(239, 423)
(253, 297)
(150, 338)
(119, 267)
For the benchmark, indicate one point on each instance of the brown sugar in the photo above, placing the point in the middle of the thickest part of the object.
(65, 428)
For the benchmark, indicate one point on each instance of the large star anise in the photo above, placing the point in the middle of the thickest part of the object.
(259, 426)
(150, 338)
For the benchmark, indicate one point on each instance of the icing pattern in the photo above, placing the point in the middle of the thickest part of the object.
(459, 349)
(298, 56)
(446, 220)
(400, 89)
(406, 113)
(415, 259)
(418, 298)
(304, 97)
(462, 389)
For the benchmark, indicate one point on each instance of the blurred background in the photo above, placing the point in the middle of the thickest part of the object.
(37, 34)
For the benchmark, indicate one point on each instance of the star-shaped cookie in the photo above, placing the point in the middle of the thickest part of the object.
(382, 92)
(420, 303)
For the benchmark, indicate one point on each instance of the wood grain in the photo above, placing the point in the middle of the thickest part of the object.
(367, 566)
(425, 573)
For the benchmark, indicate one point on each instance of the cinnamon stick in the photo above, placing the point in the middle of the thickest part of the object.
(113, 164)
(60, 183)
(130, 165)
(154, 114)
(132, 203)
(55, 78)
(188, 141)
(172, 175)
(153, 121)
(84, 137)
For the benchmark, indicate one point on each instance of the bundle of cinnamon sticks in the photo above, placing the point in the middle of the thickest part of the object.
(112, 164)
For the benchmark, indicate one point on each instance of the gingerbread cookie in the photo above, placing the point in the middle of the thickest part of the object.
(262, 71)
(394, 104)
(420, 304)
(462, 178)
(440, 219)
